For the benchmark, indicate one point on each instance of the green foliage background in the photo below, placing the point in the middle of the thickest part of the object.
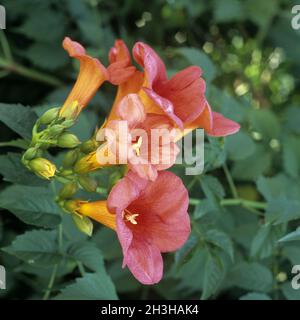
(245, 208)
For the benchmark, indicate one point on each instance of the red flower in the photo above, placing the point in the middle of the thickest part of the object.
(182, 97)
(133, 138)
(151, 218)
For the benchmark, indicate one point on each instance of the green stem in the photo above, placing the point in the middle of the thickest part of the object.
(29, 73)
(236, 202)
(5, 46)
(22, 144)
(230, 181)
(51, 283)
(81, 268)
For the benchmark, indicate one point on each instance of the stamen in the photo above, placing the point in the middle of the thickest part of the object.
(137, 146)
(131, 217)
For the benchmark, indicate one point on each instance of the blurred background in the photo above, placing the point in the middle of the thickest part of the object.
(249, 54)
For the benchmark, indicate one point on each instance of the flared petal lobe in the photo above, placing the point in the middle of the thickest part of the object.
(182, 97)
(91, 75)
(152, 219)
(222, 126)
(122, 73)
(120, 68)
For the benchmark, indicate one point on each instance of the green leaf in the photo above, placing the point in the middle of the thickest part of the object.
(212, 189)
(255, 296)
(18, 118)
(221, 240)
(88, 254)
(40, 23)
(36, 247)
(37, 52)
(14, 171)
(292, 252)
(229, 106)
(252, 167)
(93, 286)
(105, 239)
(186, 252)
(214, 154)
(88, 20)
(261, 12)
(291, 155)
(293, 119)
(213, 276)
(199, 58)
(282, 210)
(239, 146)
(289, 292)
(227, 11)
(203, 208)
(265, 122)
(34, 205)
(251, 276)
(265, 241)
(293, 236)
(273, 188)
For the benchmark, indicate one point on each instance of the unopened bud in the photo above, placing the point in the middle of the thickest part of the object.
(49, 116)
(68, 123)
(42, 167)
(68, 190)
(68, 140)
(89, 146)
(30, 153)
(88, 183)
(56, 129)
(84, 224)
(70, 158)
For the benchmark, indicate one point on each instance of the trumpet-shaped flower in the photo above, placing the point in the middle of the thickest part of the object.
(151, 217)
(182, 97)
(91, 75)
(147, 141)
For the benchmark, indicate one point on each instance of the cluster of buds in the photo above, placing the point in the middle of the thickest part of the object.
(50, 130)
(146, 205)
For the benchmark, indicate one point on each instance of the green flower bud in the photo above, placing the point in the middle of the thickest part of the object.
(89, 146)
(70, 158)
(84, 224)
(88, 183)
(68, 123)
(30, 153)
(68, 140)
(42, 167)
(49, 116)
(56, 129)
(68, 190)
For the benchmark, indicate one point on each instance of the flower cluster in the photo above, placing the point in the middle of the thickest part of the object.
(147, 207)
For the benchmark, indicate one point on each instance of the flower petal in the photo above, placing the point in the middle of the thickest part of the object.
(120, 68)
(144, 260)
(124, 192)
(204, 121)
(147, 58)
(222, 126)
(132, 85)
(132, 110)
(160, 105)
(91, 75)
(163, 206)
(186, 90)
